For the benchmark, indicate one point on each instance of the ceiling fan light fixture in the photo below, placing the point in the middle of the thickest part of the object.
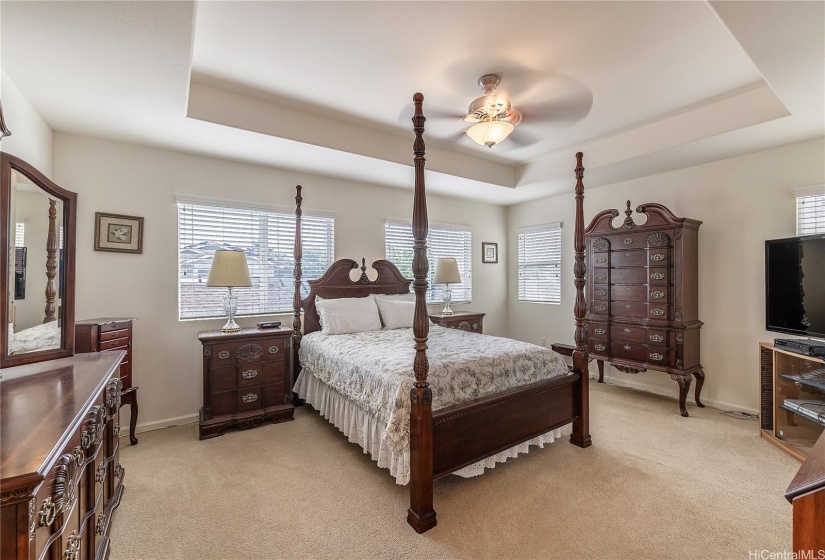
(490, 133)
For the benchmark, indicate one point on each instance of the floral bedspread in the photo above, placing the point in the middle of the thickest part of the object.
(375, 369)
(39, 337)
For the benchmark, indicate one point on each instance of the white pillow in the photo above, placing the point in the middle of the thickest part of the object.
(395, 297)
(396, 313)
(348, 315)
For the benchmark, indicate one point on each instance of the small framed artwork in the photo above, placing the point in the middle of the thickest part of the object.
(117, 233)
(489, 252)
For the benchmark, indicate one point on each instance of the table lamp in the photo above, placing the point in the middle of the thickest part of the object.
(229, 270)
(446, 272)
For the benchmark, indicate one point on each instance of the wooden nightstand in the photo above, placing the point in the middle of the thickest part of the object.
(469, 321)
(246, 379)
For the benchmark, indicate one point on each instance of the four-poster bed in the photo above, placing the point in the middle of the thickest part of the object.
(523, 409)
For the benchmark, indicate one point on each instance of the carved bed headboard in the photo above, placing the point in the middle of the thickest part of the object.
(337, 283)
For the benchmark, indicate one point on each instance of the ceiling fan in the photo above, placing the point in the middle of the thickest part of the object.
(494, 116)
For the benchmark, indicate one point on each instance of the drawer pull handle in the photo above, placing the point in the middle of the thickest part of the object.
(600, 331)
(626, 330)
(100, 524)
(657, 257)
(601, 260)
(48, 511)
(601, 293)
(273, 349)
(250, 374)
(656, 356)
(627, 347)
(627, 306)
(223, 354)
(601, 277)
(78, 455)
(657, 276)
(656, 311)
(628, 241)
(251, 397)
(72, 547)
(600, 347)
(656, 338)
(100, 472)
(601, 308)
(657, 294)
(475, 326)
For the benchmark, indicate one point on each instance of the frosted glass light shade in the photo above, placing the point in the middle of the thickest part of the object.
(490, 133)
(229, 270)
(446, 272)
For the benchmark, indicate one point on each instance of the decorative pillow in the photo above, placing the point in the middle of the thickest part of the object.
(396, 313)
(348, 315)
(395, 297)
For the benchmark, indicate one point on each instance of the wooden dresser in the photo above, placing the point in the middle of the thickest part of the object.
(469, 321)
(642, 294)
(112, 334)
(246, 379)
(61, 478)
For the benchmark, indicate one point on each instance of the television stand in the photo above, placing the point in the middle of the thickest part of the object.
(804, 346)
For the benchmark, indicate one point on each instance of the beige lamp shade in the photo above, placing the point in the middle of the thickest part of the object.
(446, 272)
(229, 270)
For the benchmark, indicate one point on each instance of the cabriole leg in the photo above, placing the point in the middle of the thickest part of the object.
(700, 380)
(684, 387)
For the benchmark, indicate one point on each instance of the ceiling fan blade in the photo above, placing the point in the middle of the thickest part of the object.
(522, 137)
(569, 108)
(429, 112)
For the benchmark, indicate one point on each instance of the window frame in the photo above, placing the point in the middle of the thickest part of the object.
(541, 228)
(281, 212)
(436, 290)
(818, 193)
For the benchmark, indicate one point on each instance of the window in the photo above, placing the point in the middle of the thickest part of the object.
(539, 264)
(267, 238)
(443, 241)
(20, 234)
(810, 211)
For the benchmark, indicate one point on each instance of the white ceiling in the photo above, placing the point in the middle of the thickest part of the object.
(640, 87)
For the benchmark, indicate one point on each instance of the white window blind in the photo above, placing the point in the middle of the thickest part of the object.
(441, 242)
(810, 214)
(20, 234)
(539, 264)
(267, 239)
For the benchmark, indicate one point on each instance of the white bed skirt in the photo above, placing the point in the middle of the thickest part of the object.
(366, 430)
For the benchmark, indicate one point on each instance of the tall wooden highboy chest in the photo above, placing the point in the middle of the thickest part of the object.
(642, 295)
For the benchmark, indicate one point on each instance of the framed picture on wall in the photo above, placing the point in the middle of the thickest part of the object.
(489, 252)
(117, 233)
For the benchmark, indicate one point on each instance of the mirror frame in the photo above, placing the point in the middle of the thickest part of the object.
(9, 163)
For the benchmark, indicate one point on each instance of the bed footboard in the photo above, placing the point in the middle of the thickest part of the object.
(466, 433)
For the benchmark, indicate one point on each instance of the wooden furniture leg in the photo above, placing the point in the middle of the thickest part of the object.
(600, 363)
(130, 396)
(700, 380)
(684, 387)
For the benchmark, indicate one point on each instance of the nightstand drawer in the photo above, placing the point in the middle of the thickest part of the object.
(119, 333)
(249, 399)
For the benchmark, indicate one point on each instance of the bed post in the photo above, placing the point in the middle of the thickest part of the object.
(420, 515)
(296, 298)
(581, 427)
(51, 264)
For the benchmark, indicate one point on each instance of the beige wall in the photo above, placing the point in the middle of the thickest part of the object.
(743, 201)
(128, 179)
(31, 137)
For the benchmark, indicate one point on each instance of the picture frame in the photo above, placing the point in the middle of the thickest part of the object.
(118, 233)
(489, 252)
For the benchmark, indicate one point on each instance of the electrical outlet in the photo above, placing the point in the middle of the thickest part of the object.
(544, 342)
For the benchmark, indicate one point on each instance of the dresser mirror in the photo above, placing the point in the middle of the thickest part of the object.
(37, 235)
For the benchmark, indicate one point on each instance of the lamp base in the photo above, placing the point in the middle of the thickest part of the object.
(230, 307)
(231, 326)
(448, 297)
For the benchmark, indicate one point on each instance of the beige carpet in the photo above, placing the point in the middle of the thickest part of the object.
(654, 485)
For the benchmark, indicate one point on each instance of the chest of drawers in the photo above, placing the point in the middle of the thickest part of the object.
(246, 379)
(106, 335)
(59, 455)
(469, 321)
(642, 295)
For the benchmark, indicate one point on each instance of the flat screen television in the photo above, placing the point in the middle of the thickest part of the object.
(795, 285)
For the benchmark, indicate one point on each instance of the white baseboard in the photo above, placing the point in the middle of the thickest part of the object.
(625, 382)
(166, 423)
